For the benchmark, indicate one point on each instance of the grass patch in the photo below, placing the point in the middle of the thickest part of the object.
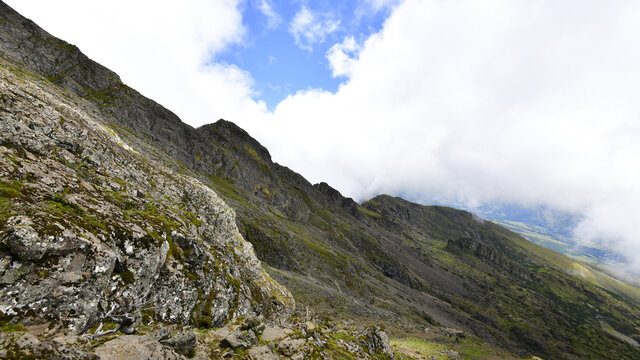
(58, 205)
(422, 347)
(369, 212)
(9, 328)
(253, 153)
(225, 187)
(5, 210)
(342, 335)
(10, 189)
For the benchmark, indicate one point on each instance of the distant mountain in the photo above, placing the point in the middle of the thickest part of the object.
(550, 228)
(545, 226)
(115, 215)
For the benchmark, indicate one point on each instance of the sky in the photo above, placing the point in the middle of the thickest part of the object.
(533, 103)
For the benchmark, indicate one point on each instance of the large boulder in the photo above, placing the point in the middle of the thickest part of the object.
(377, 342)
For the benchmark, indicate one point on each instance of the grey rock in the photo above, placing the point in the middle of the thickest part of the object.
(290, 346)
(250, 323)
(183, 343)
(377, 341)
(309, 326)
(132, 347)
(27, 346)
(452, 333)
(23, 241)
(261, 352)
(273, 333)
(161, 334)
(237, 339)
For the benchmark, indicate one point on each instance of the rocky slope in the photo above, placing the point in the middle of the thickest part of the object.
(106, 196)
(91, 226)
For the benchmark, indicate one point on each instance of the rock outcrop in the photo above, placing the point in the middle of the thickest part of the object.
(490, 255)
(93, 231)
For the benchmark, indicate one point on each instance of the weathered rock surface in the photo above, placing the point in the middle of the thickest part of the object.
(261, 352)
(273, 333)
(131, 347)
(94, 230)
(241, 338)
(378, 343)
(22, 345)
(291, 346)
(183, 343)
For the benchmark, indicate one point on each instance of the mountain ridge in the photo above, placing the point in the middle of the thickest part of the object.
(386, 261)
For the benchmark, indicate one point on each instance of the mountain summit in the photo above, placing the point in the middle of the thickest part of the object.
(125, 233)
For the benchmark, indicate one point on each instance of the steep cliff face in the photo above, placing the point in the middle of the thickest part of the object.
(90, 225)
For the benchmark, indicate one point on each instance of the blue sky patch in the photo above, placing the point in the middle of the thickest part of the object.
(286, 43)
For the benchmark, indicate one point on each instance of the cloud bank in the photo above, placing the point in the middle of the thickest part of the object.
(532, 103)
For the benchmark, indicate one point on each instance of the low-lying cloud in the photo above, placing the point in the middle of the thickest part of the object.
(534, 103)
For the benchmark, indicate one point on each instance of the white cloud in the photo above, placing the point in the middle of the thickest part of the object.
(342, 57)
(273, 19)
(309, 28)
(532, 103)
(526, 102)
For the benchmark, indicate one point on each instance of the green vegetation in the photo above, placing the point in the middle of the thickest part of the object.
(191, 276)
(225, 187)
(148, 315)
(369, 212)
(422, 347)
(469, 348)
(254, 155)
(152, 215)
(343, 335)
(59, 206)
(5, 210)
(192, 217)
(8, 327)
(103, 98)
(10, 189)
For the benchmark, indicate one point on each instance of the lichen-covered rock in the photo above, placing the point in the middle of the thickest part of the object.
(20, 345)
(93, 230)
(378, 342)
(131, 347)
